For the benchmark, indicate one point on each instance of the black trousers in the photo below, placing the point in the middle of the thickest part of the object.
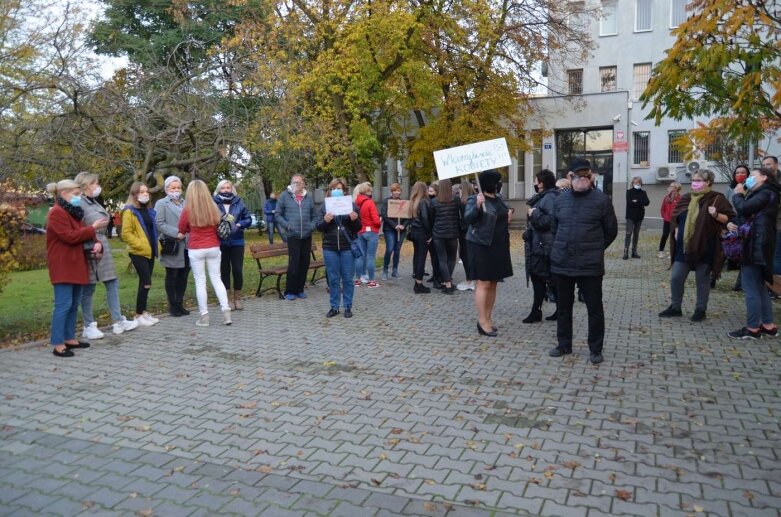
(432, 251)
(591, 287)
(540, 287)
(232, 260)
(665, 235)
(144, 267)
(176, 282)
(298, 258)
(447, 253)
(420, 250)
(463, 254)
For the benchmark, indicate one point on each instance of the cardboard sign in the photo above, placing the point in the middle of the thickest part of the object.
(399, 208)
(477, 157)
(341, 205)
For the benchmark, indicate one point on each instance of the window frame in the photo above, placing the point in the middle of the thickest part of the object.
(673, 134)
(635, 94)
(614, 3)
(650, 5)
(672, 12)
(639, 163)
(614, 68)
(569, 81)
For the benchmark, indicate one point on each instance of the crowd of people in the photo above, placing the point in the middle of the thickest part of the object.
(570, 224)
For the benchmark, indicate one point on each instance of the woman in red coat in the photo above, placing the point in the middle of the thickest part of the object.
(668, 203)
(68, 244)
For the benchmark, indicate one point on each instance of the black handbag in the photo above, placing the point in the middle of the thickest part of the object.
(169, 246)
(354, 247)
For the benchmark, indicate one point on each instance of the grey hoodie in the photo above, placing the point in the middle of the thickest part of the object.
(298, 221)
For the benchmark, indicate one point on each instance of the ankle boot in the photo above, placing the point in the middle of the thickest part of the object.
(182, 310)
(421, 289)
(237, 301)
(553, 317)
(173, 310)
(626, 253)
(635, 254)
(534, 316)
(231, 303)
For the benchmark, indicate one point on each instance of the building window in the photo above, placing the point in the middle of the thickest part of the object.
(607, 78)
(641, 141)
(608, 23)
(576, 18)
(642, 74)
(534, 138)
(674, 154)
(575, 81)
(643, 15)
(677, 12)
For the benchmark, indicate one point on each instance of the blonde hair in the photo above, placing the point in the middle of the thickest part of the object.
(85, 179)
(135, 188)
(222, 184)
(394, 186)
(419, 193)
(676, 186)
(59, 187)
(200, 206)
(362, 188)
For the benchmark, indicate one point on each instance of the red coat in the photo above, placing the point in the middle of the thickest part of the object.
(64, 249)
(370, 218)
(668, 204)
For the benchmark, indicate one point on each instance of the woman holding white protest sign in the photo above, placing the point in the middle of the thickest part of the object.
(488, 244)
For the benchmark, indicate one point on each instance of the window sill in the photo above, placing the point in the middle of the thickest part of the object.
(608, 35)
(635, 166)
(643, 30)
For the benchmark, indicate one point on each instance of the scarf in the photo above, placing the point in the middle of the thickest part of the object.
(75, 211)
(691, 217)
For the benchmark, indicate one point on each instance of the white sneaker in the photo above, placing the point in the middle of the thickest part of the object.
(463, 286)
(142, 321)
(471, 286)
(92, 331)
(203, 321)
(151, 318)
(226, 317)
(661, 254)
(125, 325)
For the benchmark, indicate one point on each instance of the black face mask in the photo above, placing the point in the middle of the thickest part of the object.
(432, 196)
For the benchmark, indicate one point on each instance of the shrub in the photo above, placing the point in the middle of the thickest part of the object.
(31, 253)
(10, 220)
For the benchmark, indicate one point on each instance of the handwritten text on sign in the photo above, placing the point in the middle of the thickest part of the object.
(399, 208)
(466, 159)
(341, 205)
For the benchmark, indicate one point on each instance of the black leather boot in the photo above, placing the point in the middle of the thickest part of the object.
(534, 316)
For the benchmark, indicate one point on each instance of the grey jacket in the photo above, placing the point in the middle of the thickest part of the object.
(103, 269)
(298, 221)
(167, 214)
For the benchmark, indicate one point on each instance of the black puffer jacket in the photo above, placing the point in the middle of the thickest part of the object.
(585, 226)
(760, 205)
(636, 201)
(540, 233)
(445, 219)
(333, 237)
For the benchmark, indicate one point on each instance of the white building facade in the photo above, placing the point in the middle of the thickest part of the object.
(593, 111)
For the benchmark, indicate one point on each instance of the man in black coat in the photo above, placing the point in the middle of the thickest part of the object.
(586, 226)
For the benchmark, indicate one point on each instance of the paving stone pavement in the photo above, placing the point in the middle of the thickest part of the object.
(403, 410)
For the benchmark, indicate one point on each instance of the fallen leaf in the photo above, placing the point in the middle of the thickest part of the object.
(490, 467)
(624, 495)
(145, 513)
(471, 502)
(383, 456)
(248, 405)
(612, 477)
(478, 486)
(431, 482)
(235, 491)
(429, 507)
(478, 477)
(536, 481)
(266, 469)
(396, 430)
(133, 495)
(548, 474)
(376, 482)
(748, 495)
(698, 508)
(88, 504)
(572, 465)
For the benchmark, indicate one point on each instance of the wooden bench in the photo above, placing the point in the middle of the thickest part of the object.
(266, 251)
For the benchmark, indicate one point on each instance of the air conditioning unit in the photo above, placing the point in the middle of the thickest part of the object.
(691, 167)
(666, 173)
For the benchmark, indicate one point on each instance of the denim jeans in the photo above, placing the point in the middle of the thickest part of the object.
(200, 261)
(340, 268)
(112, 299)
(393, 242)
(759, 306)
(365, 266)
(66, 307)
(777, 256)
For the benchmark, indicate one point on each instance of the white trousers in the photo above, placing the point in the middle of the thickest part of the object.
(202, 260)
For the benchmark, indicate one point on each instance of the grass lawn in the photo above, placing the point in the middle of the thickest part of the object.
(26, 302)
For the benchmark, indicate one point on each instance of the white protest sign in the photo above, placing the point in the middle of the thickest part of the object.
(477, 157)
(341, 205)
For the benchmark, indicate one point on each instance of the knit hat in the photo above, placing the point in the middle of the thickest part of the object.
(171, 179)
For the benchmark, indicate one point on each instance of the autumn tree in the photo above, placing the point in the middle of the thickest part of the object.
(725, 64)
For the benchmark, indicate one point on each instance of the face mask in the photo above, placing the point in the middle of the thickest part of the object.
(143, 199)
(96, 191)
(226, 196)
(697, 185)
(751, 182)
(75, 201)
(740, 178)
(337, 192)
(175, 195)
(432, 196)
(637, 187)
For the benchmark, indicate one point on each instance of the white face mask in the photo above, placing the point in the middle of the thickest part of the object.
(143, 198)
(174, 195)
(96, 191)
